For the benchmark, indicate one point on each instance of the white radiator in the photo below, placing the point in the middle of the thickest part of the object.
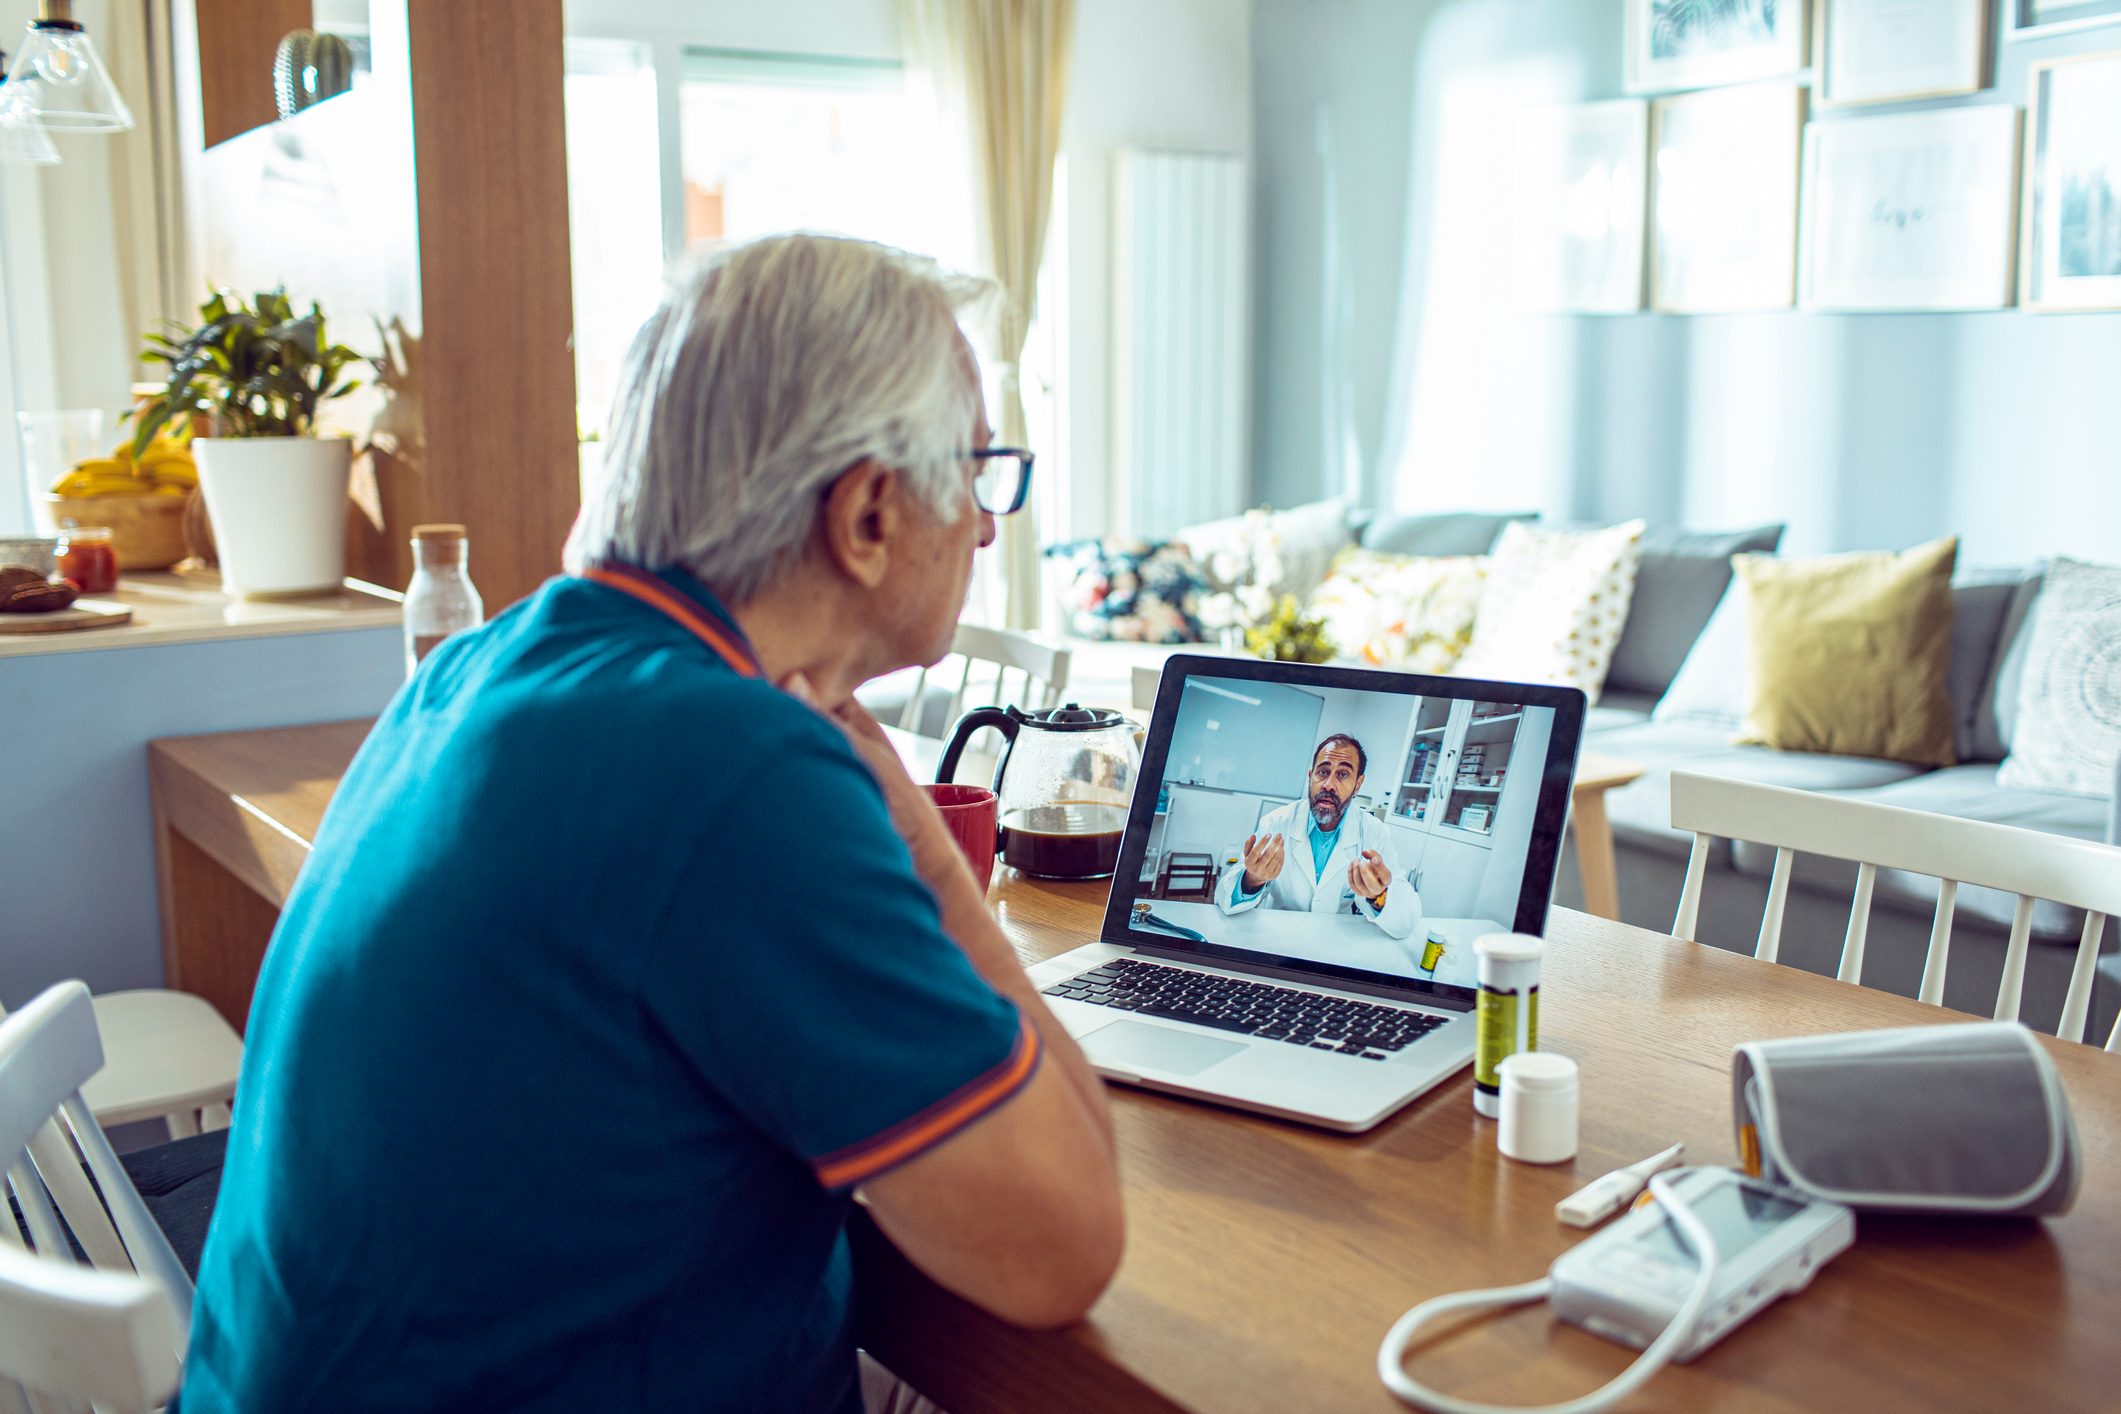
(1180, 330)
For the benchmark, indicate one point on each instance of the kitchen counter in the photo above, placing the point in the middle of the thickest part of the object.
(188, 606)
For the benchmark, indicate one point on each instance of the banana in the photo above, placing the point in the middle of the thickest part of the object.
(89, 487)
(171, 472)
(171, 490)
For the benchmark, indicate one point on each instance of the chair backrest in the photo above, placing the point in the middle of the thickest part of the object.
(110, 1332)
(1041, 669)
(2029, 863)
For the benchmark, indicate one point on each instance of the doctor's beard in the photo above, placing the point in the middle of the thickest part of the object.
(1326, 809)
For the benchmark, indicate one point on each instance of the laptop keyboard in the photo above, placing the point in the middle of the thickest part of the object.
(1353, 1028)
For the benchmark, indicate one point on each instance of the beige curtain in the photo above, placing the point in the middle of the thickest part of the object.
(1000, 71)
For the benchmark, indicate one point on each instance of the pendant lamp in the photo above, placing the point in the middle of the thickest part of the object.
(22, 138)
(59, 79)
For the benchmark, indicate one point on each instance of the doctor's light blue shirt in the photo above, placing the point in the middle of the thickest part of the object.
(1322, 842)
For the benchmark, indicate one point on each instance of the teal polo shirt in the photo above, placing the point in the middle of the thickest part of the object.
(607, 981)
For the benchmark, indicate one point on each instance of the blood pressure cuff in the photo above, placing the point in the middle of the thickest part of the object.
(1937, 1119)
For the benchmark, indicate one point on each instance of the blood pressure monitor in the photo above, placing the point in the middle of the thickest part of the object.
(1629, 1281)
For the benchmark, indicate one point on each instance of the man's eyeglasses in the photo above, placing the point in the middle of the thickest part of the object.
(1003, 479)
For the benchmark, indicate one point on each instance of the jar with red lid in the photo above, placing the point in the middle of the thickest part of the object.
(87, 559)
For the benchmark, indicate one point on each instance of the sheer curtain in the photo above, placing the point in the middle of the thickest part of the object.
(999, 69)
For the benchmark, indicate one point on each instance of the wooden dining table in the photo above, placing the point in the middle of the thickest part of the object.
(1266, 1260)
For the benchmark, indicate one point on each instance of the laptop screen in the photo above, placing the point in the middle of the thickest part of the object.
(1359, 826)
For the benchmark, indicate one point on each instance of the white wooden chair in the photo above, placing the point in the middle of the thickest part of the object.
(167, 1056)
(1041, 669)
(2029, 863)
(109, 1334)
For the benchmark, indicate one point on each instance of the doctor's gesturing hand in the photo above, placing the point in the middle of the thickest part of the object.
(1262, 861)
(1369, 876)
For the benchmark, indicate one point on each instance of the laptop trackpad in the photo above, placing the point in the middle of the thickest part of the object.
(1131, 1045)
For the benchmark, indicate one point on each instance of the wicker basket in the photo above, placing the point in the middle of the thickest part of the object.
(146, 531)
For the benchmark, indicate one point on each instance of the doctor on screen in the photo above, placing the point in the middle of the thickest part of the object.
(1313, 856)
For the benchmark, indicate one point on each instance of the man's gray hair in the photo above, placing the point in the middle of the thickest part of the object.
(767, 370)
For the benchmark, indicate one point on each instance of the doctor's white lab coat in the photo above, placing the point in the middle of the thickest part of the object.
(1298, 888)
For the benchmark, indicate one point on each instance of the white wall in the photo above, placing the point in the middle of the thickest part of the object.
(1174, 74)
(1390, 358)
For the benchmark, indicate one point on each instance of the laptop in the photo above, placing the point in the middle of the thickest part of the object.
(1244, 957)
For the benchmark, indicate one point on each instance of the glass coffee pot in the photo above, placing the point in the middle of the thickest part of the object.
(1063, 781)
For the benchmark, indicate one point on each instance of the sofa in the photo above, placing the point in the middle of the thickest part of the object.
(1668, 705)
(1666, 726)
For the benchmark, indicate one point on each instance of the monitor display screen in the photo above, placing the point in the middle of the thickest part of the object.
(1359, 824)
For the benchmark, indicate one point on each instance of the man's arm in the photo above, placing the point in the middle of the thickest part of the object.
(1020, 1212)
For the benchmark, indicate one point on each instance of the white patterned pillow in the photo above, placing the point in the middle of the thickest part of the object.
(2069, 703)
(1278, 552)
(1554, 606)
(1411, 613)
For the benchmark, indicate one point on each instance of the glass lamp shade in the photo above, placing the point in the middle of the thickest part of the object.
(22, 137)
(59, 79)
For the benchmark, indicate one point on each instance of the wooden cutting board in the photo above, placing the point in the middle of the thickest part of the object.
(82, 613)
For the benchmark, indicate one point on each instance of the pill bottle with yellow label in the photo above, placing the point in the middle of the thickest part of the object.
(1506, 1011)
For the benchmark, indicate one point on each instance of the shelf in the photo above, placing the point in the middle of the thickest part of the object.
(1484, 790)
(1478, 722)
(1431, 731)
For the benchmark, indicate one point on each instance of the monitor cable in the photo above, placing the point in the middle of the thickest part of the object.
(1392, 1354)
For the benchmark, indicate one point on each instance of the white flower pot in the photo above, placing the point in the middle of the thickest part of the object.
(278, 506)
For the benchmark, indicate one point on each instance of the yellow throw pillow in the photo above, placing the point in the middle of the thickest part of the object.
(1848, 654)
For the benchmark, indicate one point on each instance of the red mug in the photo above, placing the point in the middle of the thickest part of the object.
(969, 813)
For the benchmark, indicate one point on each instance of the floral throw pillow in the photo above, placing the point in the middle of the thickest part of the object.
(1131, 591)
(1412, 613)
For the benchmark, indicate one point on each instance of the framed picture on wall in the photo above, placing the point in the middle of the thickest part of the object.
(2033, 18)
(1917, 211)
(1578, 197)
(1725, 199)
(1679, 44)
(2072, 258)
(1889, 51)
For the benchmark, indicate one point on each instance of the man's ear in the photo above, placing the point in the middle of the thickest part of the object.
(862, 519)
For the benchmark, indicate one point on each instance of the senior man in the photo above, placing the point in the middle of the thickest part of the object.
(628, 953)
(1312, 856)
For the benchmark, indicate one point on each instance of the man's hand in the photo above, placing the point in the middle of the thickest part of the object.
(913, 812)
(1262, 861)
(1369, 876)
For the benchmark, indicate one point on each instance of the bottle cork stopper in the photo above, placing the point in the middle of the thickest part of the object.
(440, 531)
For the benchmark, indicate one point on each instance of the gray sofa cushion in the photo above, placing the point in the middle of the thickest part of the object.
(1680, 581)
(1642, 812)
(1451, 533)
(1996, 718)
(1981, 604)
(1617, 709)
(1967, 792)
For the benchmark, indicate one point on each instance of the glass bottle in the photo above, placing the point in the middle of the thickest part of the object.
(440, 600)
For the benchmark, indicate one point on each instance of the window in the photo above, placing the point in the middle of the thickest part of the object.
(672, 148)
(614, 209)
(781, 143)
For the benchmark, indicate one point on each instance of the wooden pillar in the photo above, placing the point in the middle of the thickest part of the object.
(496, 291)
(428, 209)
(237, 40)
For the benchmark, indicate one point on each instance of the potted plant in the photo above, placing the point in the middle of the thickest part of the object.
(247, 384)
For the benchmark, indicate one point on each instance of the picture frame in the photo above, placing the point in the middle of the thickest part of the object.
(2036, 19)
(1897, 51)
(1580, 205)
(1911, 212)
(1673, 45)
(1724, 199)
(2070, 243)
